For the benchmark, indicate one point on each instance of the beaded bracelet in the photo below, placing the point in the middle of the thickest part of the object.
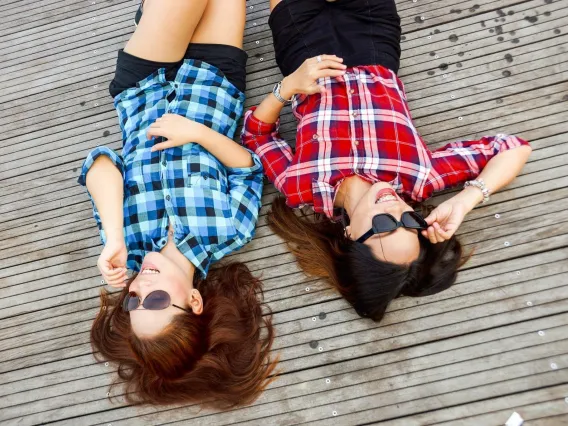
(479, 184)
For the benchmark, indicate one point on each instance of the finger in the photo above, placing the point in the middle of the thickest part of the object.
(443, 233)
(117, 284)
(432, 217)
(425, 233)
(154, 132)
(432, 234)
(161, 145)
(329, 73)
(334, 58)
(331, 64)
(116, 273)
(314, 88)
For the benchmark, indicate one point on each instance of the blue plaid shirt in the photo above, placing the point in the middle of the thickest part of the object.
(213, 209)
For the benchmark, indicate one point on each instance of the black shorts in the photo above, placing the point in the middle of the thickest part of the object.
(362, 32)
(231, 60)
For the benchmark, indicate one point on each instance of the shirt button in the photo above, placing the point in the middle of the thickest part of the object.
(356, 143)
(354, 114)
(163, 242)
(164, 163)
(205, 177)
(314, 137)
(168, 197)
(352, 91)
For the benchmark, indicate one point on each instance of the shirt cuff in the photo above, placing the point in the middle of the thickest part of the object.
(256, 168)
(93, 155)
(257, 127)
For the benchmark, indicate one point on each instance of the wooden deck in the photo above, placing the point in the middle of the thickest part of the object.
(495, 343)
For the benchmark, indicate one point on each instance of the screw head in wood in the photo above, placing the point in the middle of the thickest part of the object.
(334, 413)
(460, 118)
(507, 244)
(541, 333)
(529, 303)
(102, 281)
(553, 366)
(307, 289)
(106, 364)
(497, 216)
(328, 381)
(314, 318)
(320, 349)
(518, 272)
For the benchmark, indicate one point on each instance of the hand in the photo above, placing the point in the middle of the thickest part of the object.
(112, 263)
(176, 129)
(445, 220)
(304, 79)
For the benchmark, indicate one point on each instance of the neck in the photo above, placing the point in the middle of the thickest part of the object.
(350, 192)
(172, 253)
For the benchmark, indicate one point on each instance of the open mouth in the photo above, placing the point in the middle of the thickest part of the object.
(148, 269)
(386, 195)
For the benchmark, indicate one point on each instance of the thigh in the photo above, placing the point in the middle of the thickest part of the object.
(223, 22)
(165, 30)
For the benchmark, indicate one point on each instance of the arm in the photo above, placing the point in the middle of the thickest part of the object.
(500, 161)
(102, 175)
(180, 130)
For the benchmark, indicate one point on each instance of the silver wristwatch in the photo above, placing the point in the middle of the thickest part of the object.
(276, 93)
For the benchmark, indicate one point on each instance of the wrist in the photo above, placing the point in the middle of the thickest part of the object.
(287, 90)
(114, 236)
(197, 132)
(471, 197)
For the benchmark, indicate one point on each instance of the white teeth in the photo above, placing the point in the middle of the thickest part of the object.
(148, 271)
(385, 198)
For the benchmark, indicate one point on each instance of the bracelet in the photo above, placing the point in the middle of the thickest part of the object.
(479, 184)
(276, 93)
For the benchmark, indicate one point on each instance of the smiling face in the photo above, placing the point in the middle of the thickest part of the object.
(160, 273)
(401, 246)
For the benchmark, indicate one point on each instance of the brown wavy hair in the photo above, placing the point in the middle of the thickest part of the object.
(219, 359)
(367, 283)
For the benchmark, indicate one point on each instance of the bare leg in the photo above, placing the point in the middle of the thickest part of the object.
(222, 23)
(166, 29)
(273, 4)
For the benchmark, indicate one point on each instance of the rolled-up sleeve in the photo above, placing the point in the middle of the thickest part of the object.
(245, 188)
(458, 162)
(265, 140)
(93, 155)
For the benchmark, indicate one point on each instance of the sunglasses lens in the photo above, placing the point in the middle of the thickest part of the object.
(383, 223)
(131, 302)
(413, 220)
(157, 300)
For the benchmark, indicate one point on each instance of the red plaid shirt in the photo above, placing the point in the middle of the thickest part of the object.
(362, 126)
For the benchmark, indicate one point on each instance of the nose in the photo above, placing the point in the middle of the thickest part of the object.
(396, 210)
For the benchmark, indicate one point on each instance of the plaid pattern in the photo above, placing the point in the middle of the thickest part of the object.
(213, 209)
(362, 125)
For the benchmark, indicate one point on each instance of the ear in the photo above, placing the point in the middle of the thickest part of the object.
(348, 231)
(195, 302)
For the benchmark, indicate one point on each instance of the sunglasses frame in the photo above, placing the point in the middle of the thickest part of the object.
(399, 224)
(141, 302)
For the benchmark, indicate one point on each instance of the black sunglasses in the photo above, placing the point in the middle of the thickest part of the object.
(385, 222)
(155, 301)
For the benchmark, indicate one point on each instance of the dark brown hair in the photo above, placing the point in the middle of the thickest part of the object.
(367, 283)
(219, 359)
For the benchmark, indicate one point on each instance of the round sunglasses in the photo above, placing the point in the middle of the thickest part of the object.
(385, 222)
(154, 301)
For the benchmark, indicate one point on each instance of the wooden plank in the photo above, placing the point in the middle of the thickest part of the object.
(362, 377)
(518, 399)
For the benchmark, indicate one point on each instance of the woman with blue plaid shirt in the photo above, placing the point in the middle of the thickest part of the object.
(181, 196)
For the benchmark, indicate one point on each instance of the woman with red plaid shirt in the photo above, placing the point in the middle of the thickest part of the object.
(359, 158)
